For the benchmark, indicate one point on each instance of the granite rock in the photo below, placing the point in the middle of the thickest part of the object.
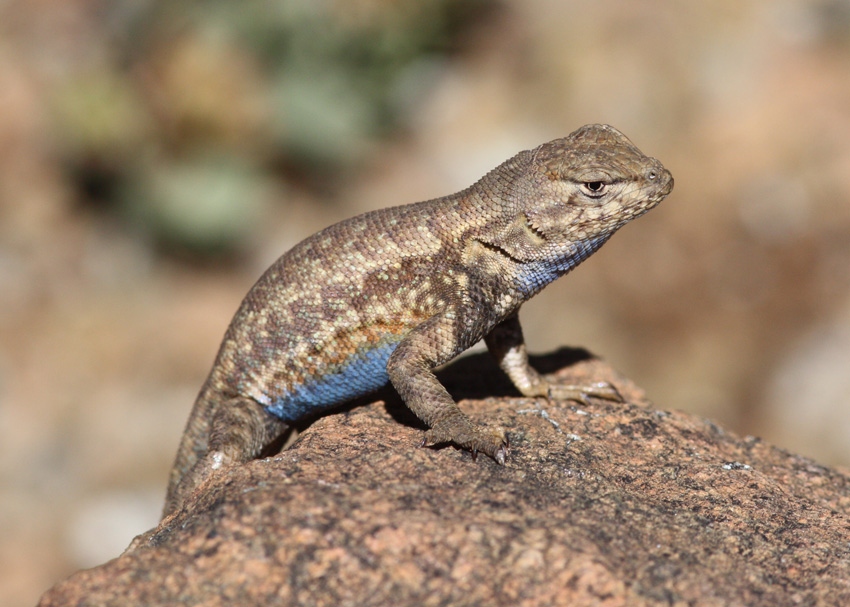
(599, 504)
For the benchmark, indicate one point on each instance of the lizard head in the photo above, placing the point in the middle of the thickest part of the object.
(590, 183)
(563, 200)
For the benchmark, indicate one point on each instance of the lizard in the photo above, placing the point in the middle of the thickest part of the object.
(391, 294)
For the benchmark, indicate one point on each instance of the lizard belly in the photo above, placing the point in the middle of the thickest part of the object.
(363, 372)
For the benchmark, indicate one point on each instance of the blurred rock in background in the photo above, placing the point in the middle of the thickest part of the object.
(155, 157)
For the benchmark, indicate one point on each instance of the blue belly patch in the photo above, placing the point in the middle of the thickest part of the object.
(364, 372)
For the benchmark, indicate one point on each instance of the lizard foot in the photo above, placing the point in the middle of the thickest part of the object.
(581, 394)
(462, 432)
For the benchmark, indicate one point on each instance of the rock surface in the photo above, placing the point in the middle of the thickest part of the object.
(599, 504)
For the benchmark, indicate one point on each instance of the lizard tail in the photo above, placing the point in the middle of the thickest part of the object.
(221, 431)
(194, 445)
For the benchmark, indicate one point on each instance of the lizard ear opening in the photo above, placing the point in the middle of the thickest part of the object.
(535, 230)
(519, 240)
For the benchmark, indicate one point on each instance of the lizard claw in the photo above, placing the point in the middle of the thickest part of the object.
(501, 454)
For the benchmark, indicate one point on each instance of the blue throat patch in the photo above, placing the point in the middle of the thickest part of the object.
(536, 275)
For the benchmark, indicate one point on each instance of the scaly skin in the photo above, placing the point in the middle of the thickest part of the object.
(392, 294)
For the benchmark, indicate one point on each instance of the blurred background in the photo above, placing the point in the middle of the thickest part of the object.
(156, 157)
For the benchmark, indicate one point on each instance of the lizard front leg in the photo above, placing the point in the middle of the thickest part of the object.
(410, 368)
(506, 344)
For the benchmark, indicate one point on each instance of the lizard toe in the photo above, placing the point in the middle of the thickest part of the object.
(581, 393)
(476, 439)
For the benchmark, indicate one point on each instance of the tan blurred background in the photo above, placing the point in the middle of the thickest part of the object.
(156, 156)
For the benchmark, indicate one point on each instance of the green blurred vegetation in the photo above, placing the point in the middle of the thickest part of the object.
(194, 110)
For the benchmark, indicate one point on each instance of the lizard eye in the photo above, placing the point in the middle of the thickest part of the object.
(594, 189)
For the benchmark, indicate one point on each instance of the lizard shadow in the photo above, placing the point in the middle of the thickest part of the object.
(475, 376)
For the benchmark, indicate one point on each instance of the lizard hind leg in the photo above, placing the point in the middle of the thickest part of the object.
(239, 430)
(506, 343)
